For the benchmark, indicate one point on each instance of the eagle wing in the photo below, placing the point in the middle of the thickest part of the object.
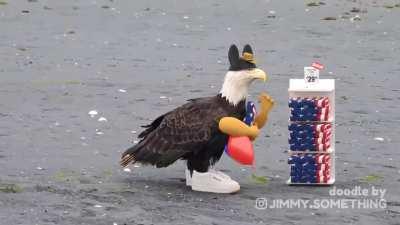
(186, 129)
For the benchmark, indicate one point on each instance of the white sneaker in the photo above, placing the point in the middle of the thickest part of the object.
(213, 182)
(225, 176)
(189, 178)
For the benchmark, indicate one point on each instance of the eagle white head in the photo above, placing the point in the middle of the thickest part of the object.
(242, 72)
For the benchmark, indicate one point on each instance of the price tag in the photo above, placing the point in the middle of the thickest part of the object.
(311, 75)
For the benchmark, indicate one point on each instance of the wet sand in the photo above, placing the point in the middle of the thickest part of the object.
(62, 59)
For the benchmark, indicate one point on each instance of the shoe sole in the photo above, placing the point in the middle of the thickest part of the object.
(207, 189)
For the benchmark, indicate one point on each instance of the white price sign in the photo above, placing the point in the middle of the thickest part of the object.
(311, 75)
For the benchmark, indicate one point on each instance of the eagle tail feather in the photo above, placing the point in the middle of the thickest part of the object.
(127, 159)
(129, 156)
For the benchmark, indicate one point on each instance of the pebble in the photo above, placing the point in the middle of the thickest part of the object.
(379, 139)
(355, 18)
(102, 119)
(98, 206)
(329, 18)
(122, 90)
(93, 113)
(127, 170)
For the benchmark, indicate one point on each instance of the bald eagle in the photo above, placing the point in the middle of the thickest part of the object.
(198, 130)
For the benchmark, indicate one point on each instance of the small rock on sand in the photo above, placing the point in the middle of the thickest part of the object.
(93, 113)
(381, 139)
(102, 119)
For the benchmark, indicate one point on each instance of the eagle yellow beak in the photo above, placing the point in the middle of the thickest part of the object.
(258, 74)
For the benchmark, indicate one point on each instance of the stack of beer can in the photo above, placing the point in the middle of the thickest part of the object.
(309, 168)
(309, 137)
(309, 109)
(309, 140)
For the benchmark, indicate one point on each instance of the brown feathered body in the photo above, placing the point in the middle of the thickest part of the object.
(189, 132)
